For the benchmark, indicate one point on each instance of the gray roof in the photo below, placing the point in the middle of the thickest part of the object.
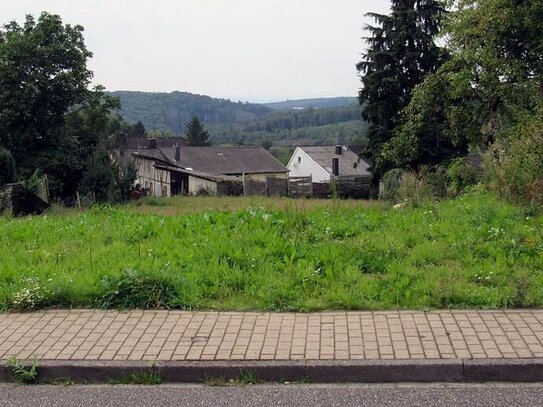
(219, 160)
(349, 163)
(142, 143)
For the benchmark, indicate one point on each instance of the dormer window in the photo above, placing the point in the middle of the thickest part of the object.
(299, 160)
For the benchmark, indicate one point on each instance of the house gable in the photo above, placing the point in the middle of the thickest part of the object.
(303, 165)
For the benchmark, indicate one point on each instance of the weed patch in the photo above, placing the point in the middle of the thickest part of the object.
(24, 373)
(136, 290)
(244, 378)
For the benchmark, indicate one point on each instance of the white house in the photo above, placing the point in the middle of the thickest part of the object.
(322, 163)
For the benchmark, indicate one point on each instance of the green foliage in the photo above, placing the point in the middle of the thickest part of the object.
(106, 180)
(310, 255)
(515, 163)
(196, 134)
(313, 103)
(248, 377)
(486, 93)
(390, 185)
(136, 290)
(50, 120)
(429, 183)
(244, 378)
(24, 374)
(461, 175)
(7, 167)
(139, 378)
(401, 51)
(138, 130)
(31, 295)
(322, 121)
(266, 144)
(173, 111)
(50, 78)
(433, 128)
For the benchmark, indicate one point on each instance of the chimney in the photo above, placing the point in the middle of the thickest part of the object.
(335, 166)
(339, 149)
(177, 156)
(152, 143)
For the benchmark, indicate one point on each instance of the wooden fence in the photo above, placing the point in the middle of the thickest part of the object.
(300, 187)
(357, 187)
(270, 187)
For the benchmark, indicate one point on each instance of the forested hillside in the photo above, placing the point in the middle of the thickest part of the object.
(288, 123)
(172, 111)
(316, 103)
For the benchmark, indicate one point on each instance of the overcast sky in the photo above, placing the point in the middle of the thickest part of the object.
(255, 50)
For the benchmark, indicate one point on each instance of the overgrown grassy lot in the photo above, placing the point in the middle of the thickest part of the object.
(475, 251)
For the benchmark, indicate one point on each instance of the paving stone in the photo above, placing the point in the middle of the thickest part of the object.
(178, 335)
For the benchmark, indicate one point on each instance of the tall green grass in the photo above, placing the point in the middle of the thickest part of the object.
(474, 251)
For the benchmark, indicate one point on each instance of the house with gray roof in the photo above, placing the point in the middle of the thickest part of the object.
(216, 170)
(323, 163)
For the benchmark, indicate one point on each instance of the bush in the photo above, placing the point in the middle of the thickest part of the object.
(515, 164)
(429, 183)
(415, 187)
(106, 180)
(390, 185)
(461, 175)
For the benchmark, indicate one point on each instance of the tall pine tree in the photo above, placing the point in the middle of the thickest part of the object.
(401, 51)
(196, 134)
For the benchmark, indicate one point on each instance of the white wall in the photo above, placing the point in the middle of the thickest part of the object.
(301, 165)
(197, 184)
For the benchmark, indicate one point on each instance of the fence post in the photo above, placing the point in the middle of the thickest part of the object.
(244, 188)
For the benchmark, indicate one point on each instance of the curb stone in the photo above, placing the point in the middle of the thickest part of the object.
(315, 371)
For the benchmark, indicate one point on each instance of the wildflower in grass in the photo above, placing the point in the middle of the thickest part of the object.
(31, 296)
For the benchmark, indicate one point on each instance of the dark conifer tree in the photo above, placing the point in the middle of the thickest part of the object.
(196, 134)
(401, 51)
(7, 167)
(139, 129)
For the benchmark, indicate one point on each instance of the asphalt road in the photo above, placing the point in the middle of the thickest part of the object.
(405, 395)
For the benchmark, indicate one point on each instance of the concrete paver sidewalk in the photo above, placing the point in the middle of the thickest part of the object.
(92, 335)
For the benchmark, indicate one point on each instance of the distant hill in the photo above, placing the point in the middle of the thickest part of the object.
(172, 111)
(315, 103)
(278, 125)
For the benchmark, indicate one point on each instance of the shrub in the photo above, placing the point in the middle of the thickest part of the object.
(390, 185)
(105, 180)
(429, 182)
(515, 164)
(415, 187)
(461, 175)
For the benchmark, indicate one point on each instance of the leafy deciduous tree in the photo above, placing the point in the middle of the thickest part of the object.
(492, 82)
(49, 119)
